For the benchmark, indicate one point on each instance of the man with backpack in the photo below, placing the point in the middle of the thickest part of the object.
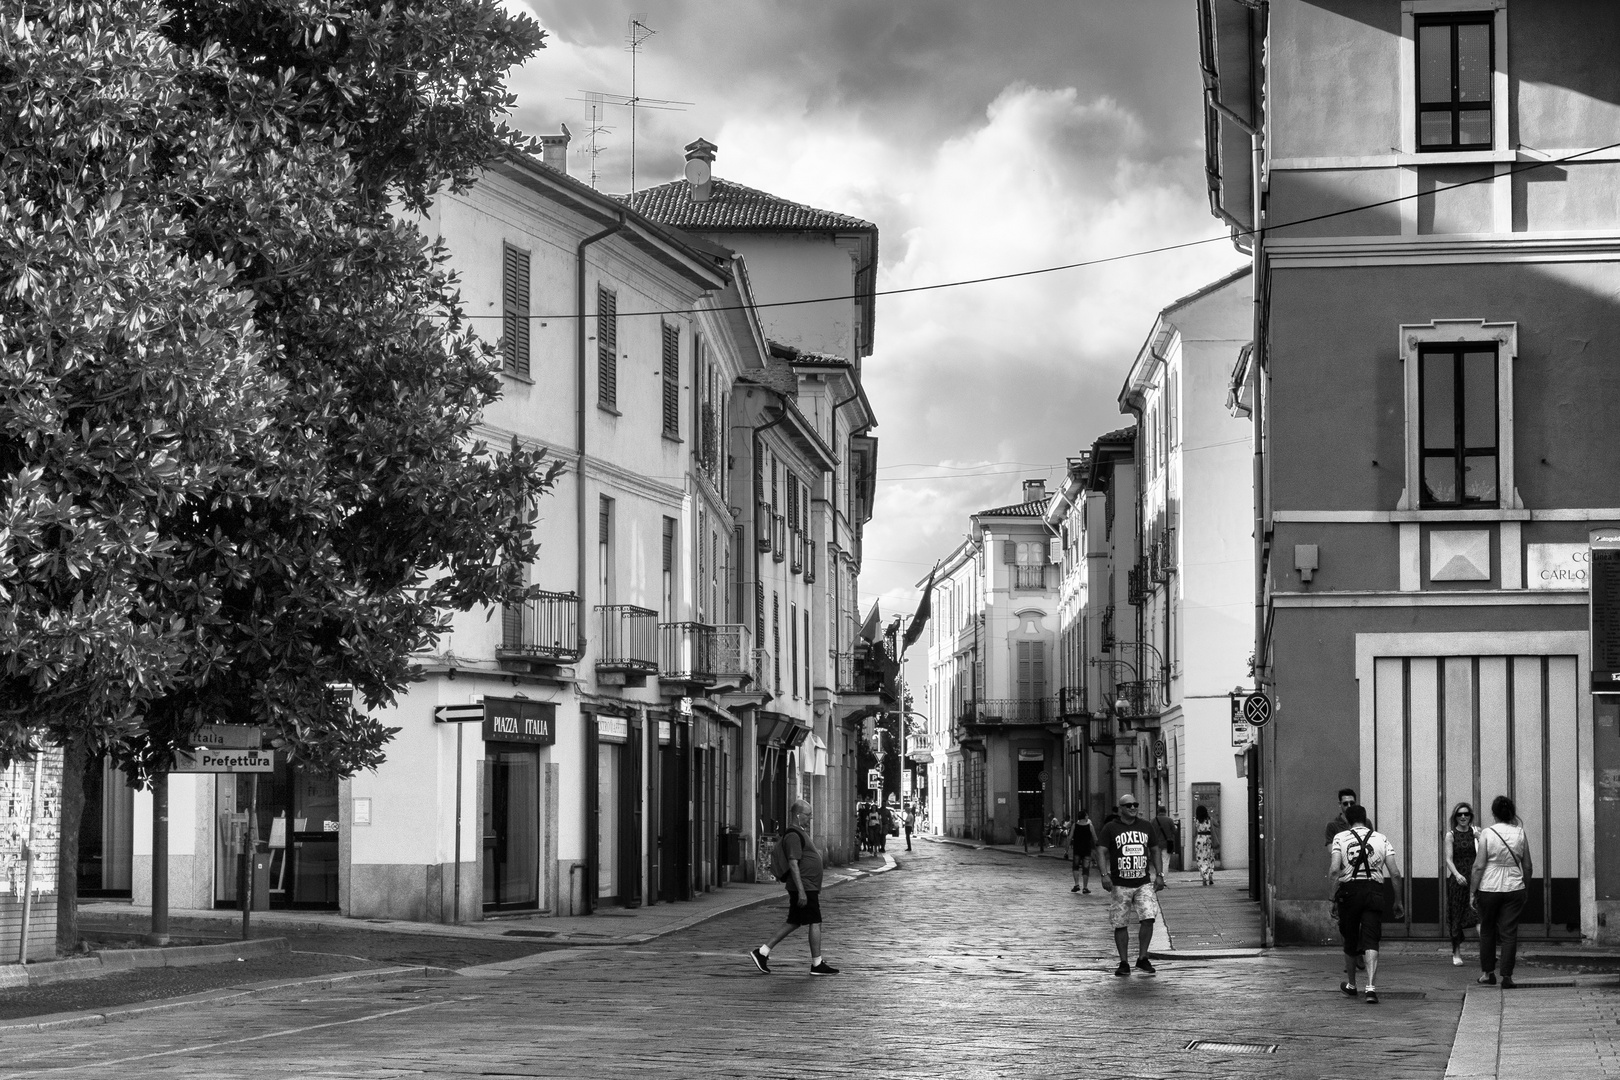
(1362, 862)
(797, 862)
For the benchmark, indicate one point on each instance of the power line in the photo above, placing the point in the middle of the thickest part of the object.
(1102, 260)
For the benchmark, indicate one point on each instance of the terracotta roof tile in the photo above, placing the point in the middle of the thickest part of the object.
(1033, 508)
(733, 206)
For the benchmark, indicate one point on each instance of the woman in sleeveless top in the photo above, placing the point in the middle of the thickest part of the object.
(1460, 913)
(1204, 844)
(1501, 879)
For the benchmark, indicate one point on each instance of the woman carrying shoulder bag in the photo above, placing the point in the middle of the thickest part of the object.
(1500, 883)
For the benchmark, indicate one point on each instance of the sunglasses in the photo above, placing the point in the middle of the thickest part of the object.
(1347, 802)
(1127, 806)
(1465, 813)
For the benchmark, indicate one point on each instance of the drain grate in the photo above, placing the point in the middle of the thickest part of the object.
(1213, 1047)
(529, 933)
(1401, 995)
(1549, 985)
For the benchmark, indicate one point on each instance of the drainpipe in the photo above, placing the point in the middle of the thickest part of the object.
(579, 411)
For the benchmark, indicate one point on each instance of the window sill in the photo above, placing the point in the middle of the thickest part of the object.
(676, 439)
(610, 410)
(515, 377)
(1438, 515)
(1457, 157)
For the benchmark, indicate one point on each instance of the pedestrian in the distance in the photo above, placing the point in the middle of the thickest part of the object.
(1460, 852)
(1361, 861)
(1347, 799)
(1500, 885)
(1131, 874)
(804, 892)
(911, 824)
(1204, 844)
(1169, 832)
(1082, 850)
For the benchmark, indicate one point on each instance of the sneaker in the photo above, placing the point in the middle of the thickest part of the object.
(1123, 969)
(1456, 961)
(1084, 891)
(1347, 989)
(761, 961)
(1372, 997)
(1487, 979)
(1145, 965)
(824, 968)
(1508, 983)
(1075, 889)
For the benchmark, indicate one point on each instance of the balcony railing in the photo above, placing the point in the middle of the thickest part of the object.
(544, 627)
(1010, 711)
(759, 667)
(1071, 702)
(844, 666)
(796, 550)
(1029, 577)
(763, 525)
(683, 652)
(627, 639)
(730, 652)
(1107, 629)
(809, 562)
(778, 537)
(1137, 700)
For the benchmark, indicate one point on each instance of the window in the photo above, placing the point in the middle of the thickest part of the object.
(807, 653)
(1454, 81)
(515, 310)
(776, 641)
(1457, 407)
(604, 549)
(607, 348)
(702, 567)
(669, 570)
(1031, 658)
(672, 381)
(793, 640)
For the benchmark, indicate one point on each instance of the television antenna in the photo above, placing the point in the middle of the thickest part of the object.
(637, 36)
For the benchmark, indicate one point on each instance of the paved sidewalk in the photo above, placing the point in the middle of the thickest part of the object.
(608, 926)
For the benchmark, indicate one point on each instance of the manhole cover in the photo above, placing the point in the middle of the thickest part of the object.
(1212, 1047)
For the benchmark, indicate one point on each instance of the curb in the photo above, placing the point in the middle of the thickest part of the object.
(112, 961)
(116, 1013)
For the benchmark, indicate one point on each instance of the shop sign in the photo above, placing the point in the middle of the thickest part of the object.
(230, 736)
(1557, 566)
(922, 757)
(612, 728)
(208, 760)
(1604, 575)
(517, 720)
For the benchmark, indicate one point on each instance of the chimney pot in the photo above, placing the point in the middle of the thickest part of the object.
(1034, 490)
(699, 158)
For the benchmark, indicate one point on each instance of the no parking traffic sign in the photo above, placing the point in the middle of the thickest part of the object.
(1257, 709)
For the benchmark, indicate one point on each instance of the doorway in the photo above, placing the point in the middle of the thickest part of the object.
(296, 826)
(106, 831)
(511, 827)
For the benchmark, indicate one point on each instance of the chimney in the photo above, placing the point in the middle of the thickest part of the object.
(554, 150)
(699, 159)
(1034, 490)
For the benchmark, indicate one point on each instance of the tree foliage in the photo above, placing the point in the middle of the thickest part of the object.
(329, 503)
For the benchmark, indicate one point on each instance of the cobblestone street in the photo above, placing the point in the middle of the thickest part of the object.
(960, 963)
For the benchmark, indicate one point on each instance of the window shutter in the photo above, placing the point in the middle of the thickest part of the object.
(672, 381)
(515, 309)
(1009, 552)
(793, 501)
(607, 348)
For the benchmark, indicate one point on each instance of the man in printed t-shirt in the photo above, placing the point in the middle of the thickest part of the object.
(1132, 852)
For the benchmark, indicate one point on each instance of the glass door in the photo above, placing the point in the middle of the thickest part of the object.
(511, 827)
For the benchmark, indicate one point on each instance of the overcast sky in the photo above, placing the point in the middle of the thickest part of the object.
(981, 138)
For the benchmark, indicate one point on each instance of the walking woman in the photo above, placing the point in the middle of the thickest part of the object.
(1082, 850)
(1204, 844)
(1500, 880)
(1460, 913)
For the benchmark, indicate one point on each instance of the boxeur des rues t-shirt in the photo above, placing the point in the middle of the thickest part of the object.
(1128, 850)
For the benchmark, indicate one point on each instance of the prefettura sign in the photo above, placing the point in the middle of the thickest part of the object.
(209, 760)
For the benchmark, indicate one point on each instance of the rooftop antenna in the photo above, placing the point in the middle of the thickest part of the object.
(638, 34)
(594, 132)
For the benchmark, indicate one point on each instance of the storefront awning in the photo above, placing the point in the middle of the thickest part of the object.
(717, 712)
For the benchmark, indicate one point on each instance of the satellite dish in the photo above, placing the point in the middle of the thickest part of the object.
(697, 171)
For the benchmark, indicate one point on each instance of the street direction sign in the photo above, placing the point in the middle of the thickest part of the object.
(207, 760)
(230, 736)
(1257, 709)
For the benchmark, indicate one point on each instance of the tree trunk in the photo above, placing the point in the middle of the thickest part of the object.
(74, 759)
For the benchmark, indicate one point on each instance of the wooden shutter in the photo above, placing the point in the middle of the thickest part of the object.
(672, 381)
(607, 348)
(1026, 670)
(1009, 552)
(792, 501)
(515, 309)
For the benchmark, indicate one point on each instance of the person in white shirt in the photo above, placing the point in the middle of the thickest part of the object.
(1500, 885)
(1361, 861)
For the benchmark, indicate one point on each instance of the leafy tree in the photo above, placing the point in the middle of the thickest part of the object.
(327, 502)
